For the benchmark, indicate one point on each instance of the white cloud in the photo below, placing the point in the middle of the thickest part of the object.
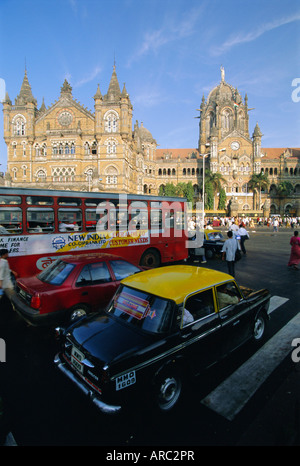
(171, 31)
(90, 77)
(250, 36)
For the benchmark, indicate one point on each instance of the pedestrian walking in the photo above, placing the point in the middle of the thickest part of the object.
(6, 283)
(228, 252)
(244, 235)
(295, 251)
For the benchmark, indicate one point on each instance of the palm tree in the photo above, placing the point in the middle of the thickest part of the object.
(285, 189)
(257, 182)
(216, 180)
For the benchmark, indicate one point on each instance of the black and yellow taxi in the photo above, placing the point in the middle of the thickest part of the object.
(160, 326)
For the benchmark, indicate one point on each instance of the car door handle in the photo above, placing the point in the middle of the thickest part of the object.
(84, 293)
(187, 335)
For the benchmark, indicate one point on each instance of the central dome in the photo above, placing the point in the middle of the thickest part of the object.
(145, 134)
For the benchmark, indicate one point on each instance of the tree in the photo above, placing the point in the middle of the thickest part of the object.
(215, 180)
(257, 182)
(222, 199)
(168, 190)
(285, 189)
(209, 198)
(180, 190)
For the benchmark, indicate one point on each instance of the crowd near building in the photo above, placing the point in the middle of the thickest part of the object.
(67, 146)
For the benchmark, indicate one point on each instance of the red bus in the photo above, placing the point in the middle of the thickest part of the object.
(37, 226)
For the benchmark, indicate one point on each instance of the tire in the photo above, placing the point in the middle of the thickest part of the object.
(209, 253)
(259, 327)
(168, 389)
(150, 258)
(77, 312)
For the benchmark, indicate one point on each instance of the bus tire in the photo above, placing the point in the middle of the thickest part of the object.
(150, 258)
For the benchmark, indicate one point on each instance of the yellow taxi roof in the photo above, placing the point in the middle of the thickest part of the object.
(175, 281)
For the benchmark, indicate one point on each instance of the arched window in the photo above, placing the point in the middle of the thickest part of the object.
(19, 126)
(86, 148)
(111, 122)
(41, 176)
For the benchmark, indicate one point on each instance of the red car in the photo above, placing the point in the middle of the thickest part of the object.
(72, 286)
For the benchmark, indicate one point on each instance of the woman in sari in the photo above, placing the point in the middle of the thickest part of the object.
(295, 251)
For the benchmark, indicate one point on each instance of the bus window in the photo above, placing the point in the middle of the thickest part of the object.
(138, 216)
(69, 201)
(39, 200)
(92, 202)
(180, 220)
(39, 220)
(90, 219)
(156, 216)
(10, 220)
(69, 220)
(10, 200)
(121, 220)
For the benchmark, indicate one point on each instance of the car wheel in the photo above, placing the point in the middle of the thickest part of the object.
(150, 258)
(77, 312)
(168, 390)
(259, 327)
(209, 254)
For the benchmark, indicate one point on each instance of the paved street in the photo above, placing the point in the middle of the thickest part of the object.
(249, 399)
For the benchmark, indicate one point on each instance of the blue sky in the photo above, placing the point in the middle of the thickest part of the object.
(168, 53)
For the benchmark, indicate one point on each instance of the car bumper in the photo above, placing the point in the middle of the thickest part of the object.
(104, 407)
(32, 316)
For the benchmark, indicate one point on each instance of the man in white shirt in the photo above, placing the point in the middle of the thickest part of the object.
(244, 235)
(228, 252)
(5, 274)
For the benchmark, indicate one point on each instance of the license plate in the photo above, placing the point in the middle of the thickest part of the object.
(76, 359)
(22, 293)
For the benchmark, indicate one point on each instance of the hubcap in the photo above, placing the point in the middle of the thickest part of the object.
(259, 328)
(78, 313)
(169, 393)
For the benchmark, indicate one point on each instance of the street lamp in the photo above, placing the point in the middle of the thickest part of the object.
(203, 186)
(203, 179)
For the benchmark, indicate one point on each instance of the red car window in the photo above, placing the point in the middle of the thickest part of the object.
(123, 269)
(100, 273)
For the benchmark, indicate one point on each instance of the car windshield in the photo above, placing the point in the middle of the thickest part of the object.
(56, 273)
(142, 310)
(215, 235)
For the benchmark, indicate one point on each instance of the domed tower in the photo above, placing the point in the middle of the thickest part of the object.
(223, 113)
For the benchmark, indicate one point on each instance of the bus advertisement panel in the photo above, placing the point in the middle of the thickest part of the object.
(37, 226)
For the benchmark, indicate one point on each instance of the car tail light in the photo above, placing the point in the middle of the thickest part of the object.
(35, 302)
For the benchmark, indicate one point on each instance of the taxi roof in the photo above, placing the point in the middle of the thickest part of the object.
(176, 281)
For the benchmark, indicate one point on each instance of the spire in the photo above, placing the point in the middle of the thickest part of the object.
(98, 94)
(43, 107)
(114, 88)
(25, 95)
(257, 132)
(66, 89)
(7, 99)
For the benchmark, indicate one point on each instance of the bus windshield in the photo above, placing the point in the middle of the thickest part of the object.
(143, 310)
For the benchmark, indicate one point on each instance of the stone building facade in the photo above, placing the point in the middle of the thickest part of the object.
(68, 146)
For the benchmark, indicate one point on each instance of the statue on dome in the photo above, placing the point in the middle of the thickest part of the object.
(222, 74)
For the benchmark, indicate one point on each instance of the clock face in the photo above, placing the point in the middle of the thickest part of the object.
(65, 118)
(235, 145)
